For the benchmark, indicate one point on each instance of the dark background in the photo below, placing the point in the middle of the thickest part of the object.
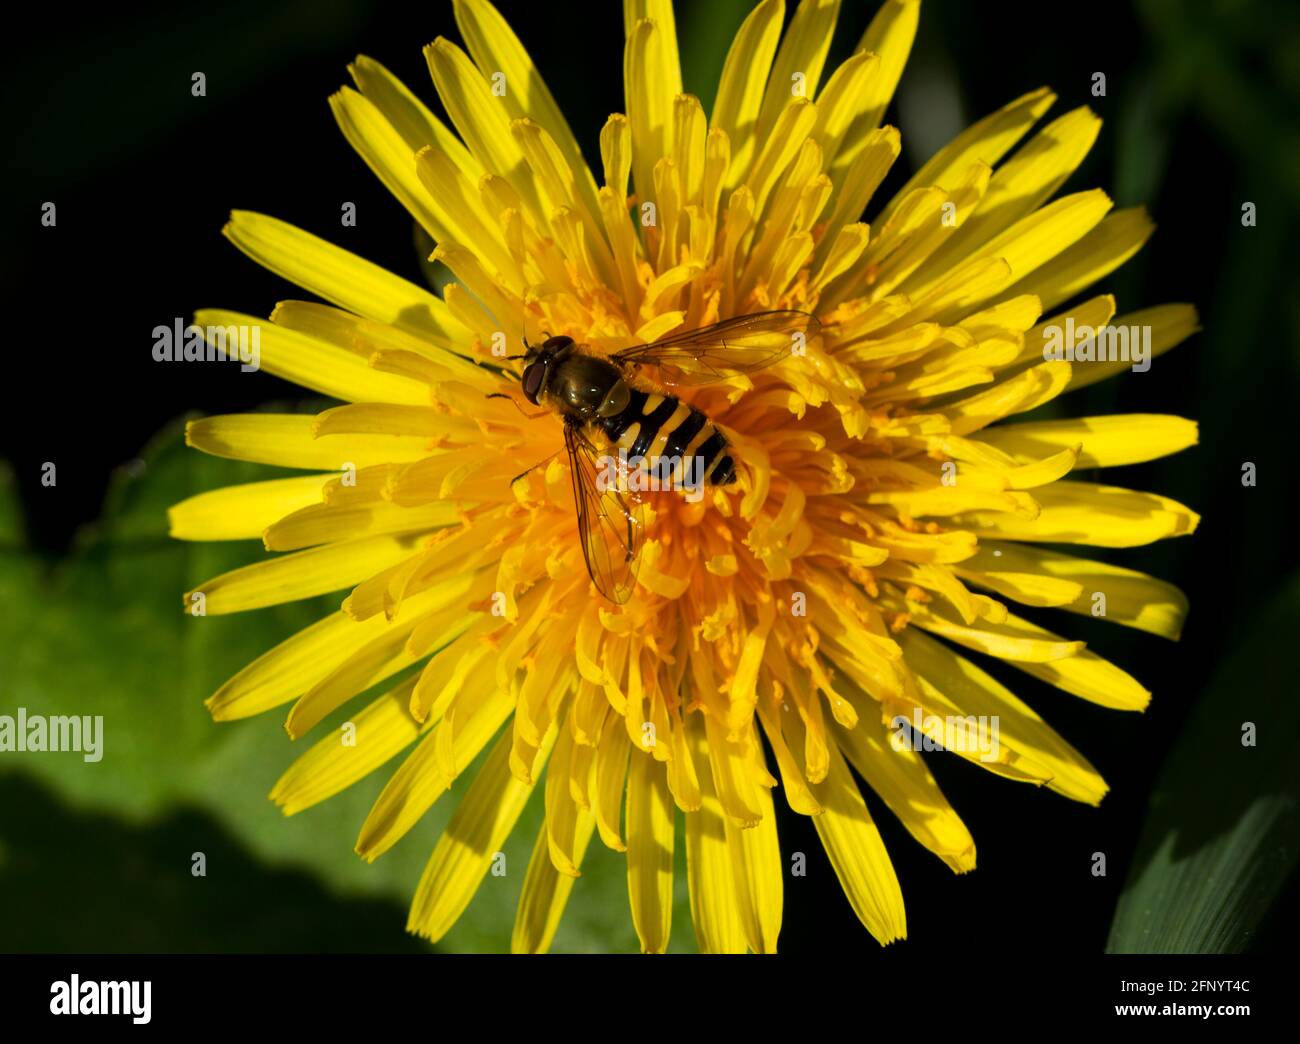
(1200, 116)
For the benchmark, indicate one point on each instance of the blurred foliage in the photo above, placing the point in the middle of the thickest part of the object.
(1222, 837)
(1237, 63)
(1223, 834)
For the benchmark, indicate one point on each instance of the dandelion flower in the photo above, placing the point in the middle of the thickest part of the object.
(889, 521)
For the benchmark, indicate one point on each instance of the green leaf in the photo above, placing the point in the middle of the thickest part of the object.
(1222, 834)
(105, 633)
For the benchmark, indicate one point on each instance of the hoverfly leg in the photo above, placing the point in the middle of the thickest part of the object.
(511, 398)
(536, 466)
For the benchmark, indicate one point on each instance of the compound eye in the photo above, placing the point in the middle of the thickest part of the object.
(532, 380)
(557, 343)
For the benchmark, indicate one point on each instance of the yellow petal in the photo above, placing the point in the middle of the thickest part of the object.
(714, 907)
(858, 854)
(1132, 599)
(797, 794)
(985, 141)
(607, 783)
(667, 70)
(1094, 256)
(1019, 394)
(758, 873)
(472, 841)
(383, 729)
(480, 118)
(408, 115)
(388, 420)
(1170, 325)
(1011, 639)
(546, 891)
(901, 779)
(323, 523)
(910, 240)
(1094, 312)
(562, 812)
(744, 76)
(1088, 513)
(1013, 577)
(458, 205)
(504, 306)
(243, 512)
(1023, 183)
(561, 187)
(1104, 442)
(495, 48)
(1082, 673)
(649, 91)
(472, 720)
(616, 156)
(440, 607)
(729, 767)
(289, 440)
(378, 343)
(343, 278)
(798, 66)
(879, 151)
(842, 252)
(1094, 679)
(650, 852)
(386, 153)
(294, 666)
(839, 103)
(953, 685)
(1034, 240)
(304, 574)
(314, 364)
(792, 128)
(889, 36)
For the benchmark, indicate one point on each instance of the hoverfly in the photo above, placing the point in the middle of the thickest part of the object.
(597, 397)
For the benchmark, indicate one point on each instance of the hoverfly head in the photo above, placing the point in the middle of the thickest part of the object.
(542, 357)
(534, 378)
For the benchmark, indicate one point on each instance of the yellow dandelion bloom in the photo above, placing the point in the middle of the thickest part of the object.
(888, 514)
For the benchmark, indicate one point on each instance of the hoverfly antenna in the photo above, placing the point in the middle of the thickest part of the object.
(528, 352)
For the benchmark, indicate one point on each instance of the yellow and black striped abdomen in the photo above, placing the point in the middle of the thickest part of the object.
(655, 427)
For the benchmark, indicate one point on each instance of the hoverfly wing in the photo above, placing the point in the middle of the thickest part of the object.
(611, 523)
(710, 354)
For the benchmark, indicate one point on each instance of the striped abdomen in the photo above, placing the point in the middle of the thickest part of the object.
(655, 426)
